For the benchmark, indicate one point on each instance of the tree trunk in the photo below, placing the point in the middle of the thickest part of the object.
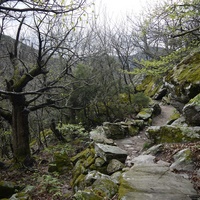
(20, 129)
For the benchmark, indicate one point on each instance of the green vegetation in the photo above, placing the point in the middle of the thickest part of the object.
(140, 100)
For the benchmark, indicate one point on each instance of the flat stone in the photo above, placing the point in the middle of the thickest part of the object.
(154, 182)
(152, 196)
(108, 152)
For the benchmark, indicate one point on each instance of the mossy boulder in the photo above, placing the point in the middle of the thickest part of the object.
(173, 134)
(114, 166)
(191, 111)
(105, 188)
(183, 160)
(83, 162)
(115, 130)
(183, 81)
(101, 187)
(145, 113)
(78, 174)
(133, 130)
(99, 162)
(91, 162)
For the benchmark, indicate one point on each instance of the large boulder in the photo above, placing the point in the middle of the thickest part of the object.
(147, 180)
(191, 111)
(183, 81)
(173, 134)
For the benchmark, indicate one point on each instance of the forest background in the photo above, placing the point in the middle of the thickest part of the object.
(63, 66)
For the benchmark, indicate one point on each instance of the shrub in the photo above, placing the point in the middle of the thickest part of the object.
(140, 100)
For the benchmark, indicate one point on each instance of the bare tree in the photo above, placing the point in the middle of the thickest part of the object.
(34, 84)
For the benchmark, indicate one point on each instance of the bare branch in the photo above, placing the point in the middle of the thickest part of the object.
(186, 32)
(45, 8)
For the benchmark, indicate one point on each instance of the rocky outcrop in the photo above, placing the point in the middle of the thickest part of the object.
(97, 170)
(183, 81)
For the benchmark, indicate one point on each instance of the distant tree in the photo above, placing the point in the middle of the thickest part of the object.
(35, 84)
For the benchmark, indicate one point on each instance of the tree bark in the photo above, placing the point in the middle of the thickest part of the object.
(20, 129)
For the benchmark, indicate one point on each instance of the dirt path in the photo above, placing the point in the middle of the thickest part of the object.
(166, 112)
(134, 145)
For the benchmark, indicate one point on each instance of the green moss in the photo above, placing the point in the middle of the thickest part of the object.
(188, 71)
(150, 85)
(166, 135)
(172, 134)
(195, 100)
(89, 161)
(77, 171)
(105, 188)
(61, 163)
(82, 155)
(190, 74)
(174, 116)
(79, 182)
(133, 130)
(124, 188)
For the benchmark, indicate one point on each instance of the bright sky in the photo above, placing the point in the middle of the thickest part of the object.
(117, 9)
